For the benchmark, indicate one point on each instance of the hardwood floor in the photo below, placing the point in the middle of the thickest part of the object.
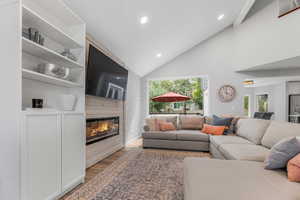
(100, 166)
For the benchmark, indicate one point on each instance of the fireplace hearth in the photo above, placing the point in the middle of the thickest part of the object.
(101, 128)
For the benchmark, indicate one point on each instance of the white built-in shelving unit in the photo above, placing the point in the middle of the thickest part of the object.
(52, 140)
(62, 29)
(43, 149)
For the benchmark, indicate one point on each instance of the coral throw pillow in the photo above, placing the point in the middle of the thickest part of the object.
(213, 130)
(166, 126)
(293, 169)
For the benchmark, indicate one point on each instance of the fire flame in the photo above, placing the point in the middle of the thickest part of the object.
(102, 127)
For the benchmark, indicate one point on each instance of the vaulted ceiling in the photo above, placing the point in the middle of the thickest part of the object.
(172, 26)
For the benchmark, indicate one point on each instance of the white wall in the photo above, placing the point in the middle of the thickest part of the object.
(265, 38)
(280, 102)
(10, 106)
(133, 108)
(262, 38)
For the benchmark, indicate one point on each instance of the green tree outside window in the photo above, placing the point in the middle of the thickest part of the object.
(188, 87)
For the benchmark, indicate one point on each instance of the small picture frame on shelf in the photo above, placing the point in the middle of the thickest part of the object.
(37, 103)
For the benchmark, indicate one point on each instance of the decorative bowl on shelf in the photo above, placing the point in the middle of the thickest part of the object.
(54, 70)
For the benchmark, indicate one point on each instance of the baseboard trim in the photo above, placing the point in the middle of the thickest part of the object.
(71, 186)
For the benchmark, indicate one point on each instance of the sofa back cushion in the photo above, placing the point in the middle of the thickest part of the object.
(220, 121)
(278, 131)
(191, 122)
(151, 124)
(252, 129)
(167, 118)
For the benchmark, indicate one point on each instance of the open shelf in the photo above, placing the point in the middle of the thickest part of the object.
(32, 75)
(34, 20)
(49, 55)
(58, 7)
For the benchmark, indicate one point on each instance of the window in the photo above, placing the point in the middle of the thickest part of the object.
(247, 106)
(188, 87)
(262, 103)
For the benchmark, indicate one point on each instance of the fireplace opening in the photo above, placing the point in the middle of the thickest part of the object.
(100, 129)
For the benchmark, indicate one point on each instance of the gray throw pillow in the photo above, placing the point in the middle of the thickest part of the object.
(219, 121)
(282, 152)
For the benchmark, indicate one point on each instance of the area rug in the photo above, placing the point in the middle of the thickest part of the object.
(139, 175)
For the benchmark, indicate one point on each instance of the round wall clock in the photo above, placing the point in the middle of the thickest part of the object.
(226, 93)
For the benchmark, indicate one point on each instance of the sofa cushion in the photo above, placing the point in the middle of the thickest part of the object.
(210, 179)
(218, 121)
(191, 122)
(167, 118)
(224, 139)
(168, 135)
(192, 135)
(282, 152)
(278, 131)
(151, 124)
(232, 128)
(248, 152)
(252, 129)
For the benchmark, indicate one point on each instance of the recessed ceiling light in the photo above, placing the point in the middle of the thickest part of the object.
(221, 17)
(144, 20)
(158, 55)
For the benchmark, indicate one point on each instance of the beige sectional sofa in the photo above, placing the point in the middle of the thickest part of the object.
(187, 135)
(237, 170)
(241, 174)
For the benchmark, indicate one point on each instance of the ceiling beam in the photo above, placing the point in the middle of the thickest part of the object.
(244, 12)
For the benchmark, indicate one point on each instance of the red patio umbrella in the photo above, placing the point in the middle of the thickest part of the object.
(171, 97)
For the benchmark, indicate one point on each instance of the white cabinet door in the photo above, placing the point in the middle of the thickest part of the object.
(73, 150)
(41, 160)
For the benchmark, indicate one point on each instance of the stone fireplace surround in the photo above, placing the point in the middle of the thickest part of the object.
(97, 107)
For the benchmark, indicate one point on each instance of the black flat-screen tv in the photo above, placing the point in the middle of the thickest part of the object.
(104, 77)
